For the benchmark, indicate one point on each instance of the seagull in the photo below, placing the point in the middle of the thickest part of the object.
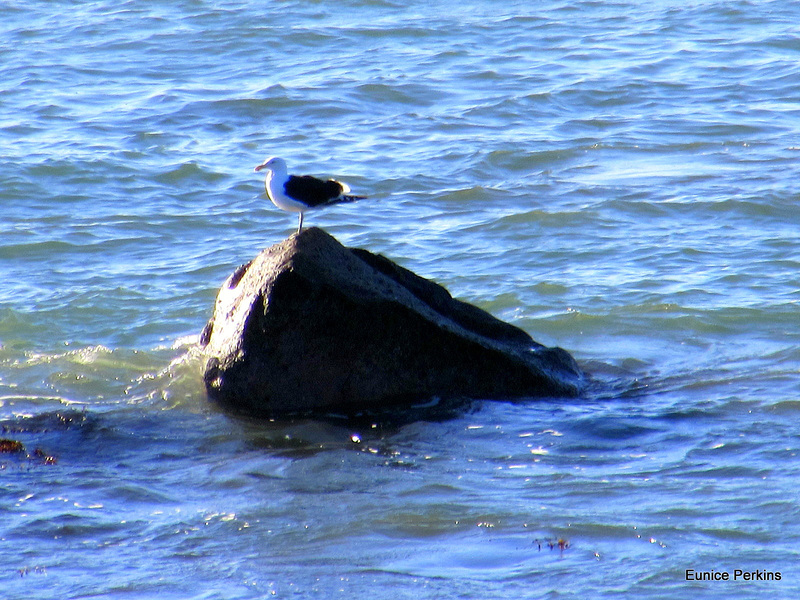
(299, 193)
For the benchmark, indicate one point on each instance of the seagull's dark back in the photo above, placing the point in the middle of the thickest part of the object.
(312, 191)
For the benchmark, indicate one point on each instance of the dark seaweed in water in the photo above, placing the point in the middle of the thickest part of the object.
(17, 448)
(43, 423)
(11, 447)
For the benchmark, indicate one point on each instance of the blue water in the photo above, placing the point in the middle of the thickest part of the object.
(617, 178)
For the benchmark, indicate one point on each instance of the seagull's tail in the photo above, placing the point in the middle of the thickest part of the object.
(346, 198)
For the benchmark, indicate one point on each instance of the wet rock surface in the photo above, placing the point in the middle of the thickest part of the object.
(310, 324)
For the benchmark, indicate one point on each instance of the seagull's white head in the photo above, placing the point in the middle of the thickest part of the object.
(272, 163)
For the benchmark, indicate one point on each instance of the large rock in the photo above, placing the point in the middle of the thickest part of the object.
(310, 324)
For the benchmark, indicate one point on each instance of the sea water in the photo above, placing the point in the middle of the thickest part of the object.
(617, 178)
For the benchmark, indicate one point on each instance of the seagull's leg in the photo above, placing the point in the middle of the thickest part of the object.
(300, 225)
